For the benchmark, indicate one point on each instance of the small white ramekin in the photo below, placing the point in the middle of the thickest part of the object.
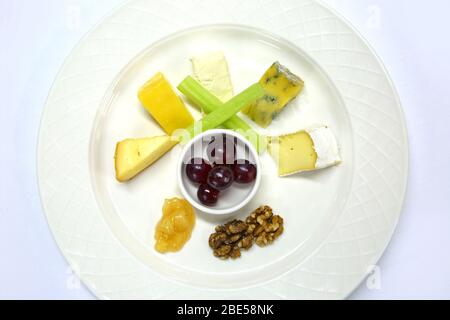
(231, 200)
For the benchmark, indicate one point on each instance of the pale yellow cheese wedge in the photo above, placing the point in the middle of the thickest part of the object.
(135, 155)
(211, 70)
(312, 149)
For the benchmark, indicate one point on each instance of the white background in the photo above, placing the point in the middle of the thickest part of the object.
(411, 36)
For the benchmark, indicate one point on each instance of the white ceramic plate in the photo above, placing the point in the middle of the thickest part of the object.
(338, 221)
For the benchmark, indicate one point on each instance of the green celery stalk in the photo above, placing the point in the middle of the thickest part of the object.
(223, 113)
(204, 99)
(208, 102)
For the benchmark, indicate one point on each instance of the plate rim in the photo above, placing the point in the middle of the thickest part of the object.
(404, 127)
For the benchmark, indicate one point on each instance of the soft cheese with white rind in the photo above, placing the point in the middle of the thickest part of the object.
(211, 70)
(307, 150)
(326, 147)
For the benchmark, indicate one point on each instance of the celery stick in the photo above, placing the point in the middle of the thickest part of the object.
(228, 110)
(209, 102)
(204, 99)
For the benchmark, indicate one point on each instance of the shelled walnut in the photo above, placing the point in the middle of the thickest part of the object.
(230, 239)
(261, 227)
(264, 226)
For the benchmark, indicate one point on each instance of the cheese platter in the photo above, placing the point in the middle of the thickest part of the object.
(221, 160)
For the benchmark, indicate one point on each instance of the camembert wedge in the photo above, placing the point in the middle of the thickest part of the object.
(211, 70)
(307, 150)
(135, 155)
(281, 86)
(165, 106)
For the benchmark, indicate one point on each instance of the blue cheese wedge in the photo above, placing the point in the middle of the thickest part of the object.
(281, 87)
(211, 70)
(308, 150)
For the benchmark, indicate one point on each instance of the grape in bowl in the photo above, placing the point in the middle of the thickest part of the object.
(233, 172)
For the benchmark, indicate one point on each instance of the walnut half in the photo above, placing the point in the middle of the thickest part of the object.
(266, 227)
(261, 227)
(230, 239)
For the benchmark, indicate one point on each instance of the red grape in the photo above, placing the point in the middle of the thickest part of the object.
(220, 178)
(197, 170)
(207, 195)
(222, 150)
(244, 171)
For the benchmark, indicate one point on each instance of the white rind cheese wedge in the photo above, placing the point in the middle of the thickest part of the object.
(308, 150)
(135, 155)
(326, 147)
(211, 70)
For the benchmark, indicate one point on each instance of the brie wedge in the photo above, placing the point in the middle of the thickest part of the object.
(135, 155)
(308, 150)
(211, 70)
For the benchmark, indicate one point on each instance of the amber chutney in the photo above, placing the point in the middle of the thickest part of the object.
(175, 227)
